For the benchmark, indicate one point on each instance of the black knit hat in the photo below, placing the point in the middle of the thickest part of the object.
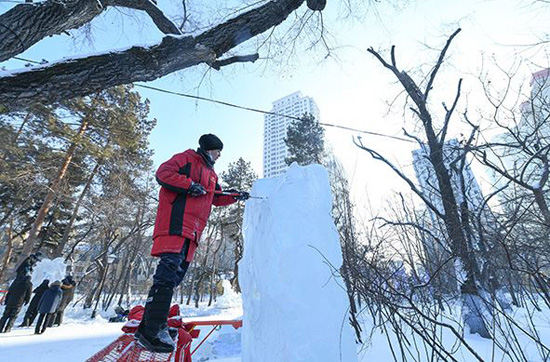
(210, 142)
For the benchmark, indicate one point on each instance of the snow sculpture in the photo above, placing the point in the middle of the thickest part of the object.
(294, 303)
(48, 269)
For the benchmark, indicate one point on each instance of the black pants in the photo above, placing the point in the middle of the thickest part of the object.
(8, 318)
(30, 316)
(43, 321)
(171, 268)
(58, 317)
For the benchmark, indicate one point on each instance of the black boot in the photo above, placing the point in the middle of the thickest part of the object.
(172, 331)
(153, 331)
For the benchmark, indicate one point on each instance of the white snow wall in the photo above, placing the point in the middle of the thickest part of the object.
(295, 306)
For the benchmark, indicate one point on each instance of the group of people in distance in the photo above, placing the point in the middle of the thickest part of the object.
(49, 301)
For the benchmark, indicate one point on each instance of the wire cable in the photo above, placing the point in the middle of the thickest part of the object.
(227, 104)
(271, 113)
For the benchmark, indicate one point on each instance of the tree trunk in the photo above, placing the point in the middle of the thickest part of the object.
(25, 25)
(59, 249)
(475, 307)
(191, 288)
(54, 186)
(113, 291)
(125, 283)
(9, 250)
(543, 206)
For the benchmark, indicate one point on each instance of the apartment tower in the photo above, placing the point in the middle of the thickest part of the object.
(275, 126)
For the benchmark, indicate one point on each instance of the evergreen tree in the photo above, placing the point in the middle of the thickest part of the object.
(305, 140)
(53, 154)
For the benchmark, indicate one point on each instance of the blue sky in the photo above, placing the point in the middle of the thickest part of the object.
(351, 88)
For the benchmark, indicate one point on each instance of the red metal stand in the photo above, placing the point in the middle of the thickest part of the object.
(126, 349)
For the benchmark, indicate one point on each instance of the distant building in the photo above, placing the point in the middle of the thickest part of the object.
(275, 127)
(428, 180)
(527, 135)
(534, 126)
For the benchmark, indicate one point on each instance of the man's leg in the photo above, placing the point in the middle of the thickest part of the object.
(13, 313)
(27, 318)
(50, 318)
(38, 327)
(3, 320)
(58, 317)
(153, 331)
(32, 316)
(47, 322)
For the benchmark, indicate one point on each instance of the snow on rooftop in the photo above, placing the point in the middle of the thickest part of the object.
(294, 304)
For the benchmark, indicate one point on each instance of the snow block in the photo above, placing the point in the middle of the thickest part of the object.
(294, 302)
(476, 314)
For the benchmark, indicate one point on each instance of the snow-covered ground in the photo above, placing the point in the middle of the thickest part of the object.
(292, 301)
(79, 337)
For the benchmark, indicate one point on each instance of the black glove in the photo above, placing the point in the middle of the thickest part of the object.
(243, 196)
(196, 189)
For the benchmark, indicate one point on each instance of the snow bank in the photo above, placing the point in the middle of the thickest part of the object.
(229, 298)
(295, 307)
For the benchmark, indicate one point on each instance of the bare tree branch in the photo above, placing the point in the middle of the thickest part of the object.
(395, 169)
(439, 62)
(161, 21)
(79, 77)
(449, 112)
(236, 59)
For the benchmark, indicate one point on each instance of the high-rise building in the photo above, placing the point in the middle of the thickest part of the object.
(275, 127)
(452, 153)
(522, 148)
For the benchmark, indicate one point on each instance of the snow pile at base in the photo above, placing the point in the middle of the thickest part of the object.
(48, 269)
(295, 306)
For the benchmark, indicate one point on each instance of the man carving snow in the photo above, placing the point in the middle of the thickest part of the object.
(189, 188)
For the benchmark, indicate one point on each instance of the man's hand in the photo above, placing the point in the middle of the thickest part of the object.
(243, 196)
(196, 189)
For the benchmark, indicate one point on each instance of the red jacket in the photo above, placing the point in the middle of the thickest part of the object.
(180, 216)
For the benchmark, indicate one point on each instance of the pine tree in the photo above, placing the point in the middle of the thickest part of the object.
(305, 140)
(67, 145)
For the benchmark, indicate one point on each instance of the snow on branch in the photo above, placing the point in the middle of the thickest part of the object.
(236, 59)
(80, 77)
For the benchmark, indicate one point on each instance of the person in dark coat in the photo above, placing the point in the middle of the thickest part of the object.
(189, 188)
(32, 310)
(19, 293)
(27, 265)
(48, 305)
(68, 287)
